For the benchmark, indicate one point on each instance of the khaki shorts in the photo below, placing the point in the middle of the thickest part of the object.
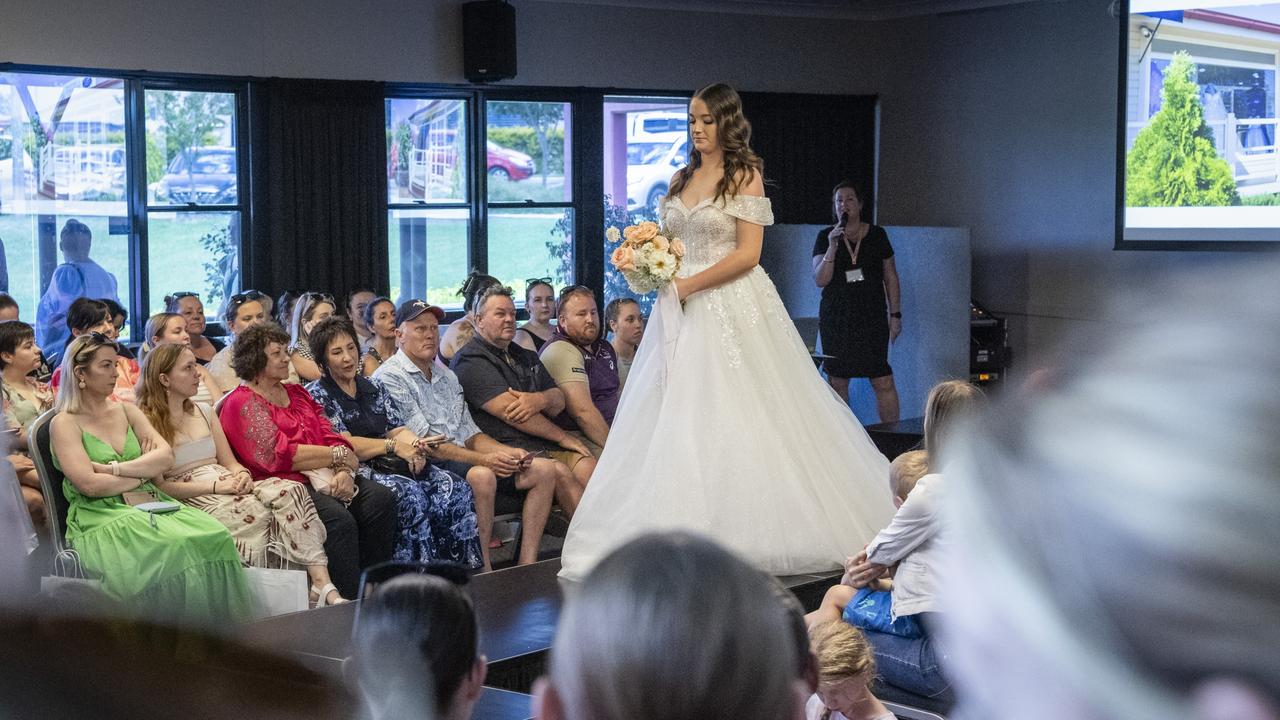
(568, 457)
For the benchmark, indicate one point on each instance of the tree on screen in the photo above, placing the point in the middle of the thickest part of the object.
(1173, 162)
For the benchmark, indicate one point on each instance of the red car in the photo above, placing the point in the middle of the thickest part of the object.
(507, 164)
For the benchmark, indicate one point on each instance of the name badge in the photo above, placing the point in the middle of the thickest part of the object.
(853, 276)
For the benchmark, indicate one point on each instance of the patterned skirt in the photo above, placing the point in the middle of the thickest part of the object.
(437, 516)
(275, 525)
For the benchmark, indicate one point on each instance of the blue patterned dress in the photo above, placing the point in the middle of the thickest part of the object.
(437, 517)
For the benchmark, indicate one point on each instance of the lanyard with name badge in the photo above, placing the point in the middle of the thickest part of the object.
(854, 275)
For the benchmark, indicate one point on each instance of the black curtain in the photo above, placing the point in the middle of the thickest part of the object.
(808, 144)
(319, 186)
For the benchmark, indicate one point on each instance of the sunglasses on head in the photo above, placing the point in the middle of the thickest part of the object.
(244, 297)
(175, 297)
(530, 282)
(570, 289)
(320, 297)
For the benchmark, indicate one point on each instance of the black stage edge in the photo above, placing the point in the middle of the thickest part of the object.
(895, 438)
(516, 610)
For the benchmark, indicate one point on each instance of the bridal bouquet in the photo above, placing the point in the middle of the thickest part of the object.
(646, 258)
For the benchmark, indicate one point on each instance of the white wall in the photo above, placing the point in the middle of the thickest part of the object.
(1002, 121)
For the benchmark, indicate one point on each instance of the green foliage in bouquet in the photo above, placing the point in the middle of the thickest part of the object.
(1173, 162)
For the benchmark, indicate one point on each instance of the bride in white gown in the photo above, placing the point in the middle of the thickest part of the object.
(725, 426)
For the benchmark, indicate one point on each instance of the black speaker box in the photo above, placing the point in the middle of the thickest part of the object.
(488, 40)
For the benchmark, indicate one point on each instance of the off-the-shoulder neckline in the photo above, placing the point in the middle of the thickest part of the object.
(709, 200)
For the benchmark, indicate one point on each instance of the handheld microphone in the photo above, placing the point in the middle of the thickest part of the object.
(844, 219)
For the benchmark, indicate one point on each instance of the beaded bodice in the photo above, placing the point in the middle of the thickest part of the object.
(709, 228)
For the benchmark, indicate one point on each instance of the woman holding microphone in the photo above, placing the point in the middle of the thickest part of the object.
(861, 312)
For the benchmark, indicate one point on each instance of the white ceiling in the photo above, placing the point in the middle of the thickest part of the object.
(849, 9)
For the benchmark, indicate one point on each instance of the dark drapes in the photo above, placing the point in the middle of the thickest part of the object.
(809, 143)
(319, 186)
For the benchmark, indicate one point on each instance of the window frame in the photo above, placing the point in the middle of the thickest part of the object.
(139, 207)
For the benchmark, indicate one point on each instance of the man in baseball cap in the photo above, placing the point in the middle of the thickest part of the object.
(410, 309)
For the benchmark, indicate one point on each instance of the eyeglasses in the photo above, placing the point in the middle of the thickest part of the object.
(376, 575)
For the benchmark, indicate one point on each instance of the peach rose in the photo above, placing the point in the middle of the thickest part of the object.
(677, 247)
(644, 232)
(660, 243)
(623, 258)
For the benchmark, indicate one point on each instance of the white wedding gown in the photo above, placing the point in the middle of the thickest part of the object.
(726, 428)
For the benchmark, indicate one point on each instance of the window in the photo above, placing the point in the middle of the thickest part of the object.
(193, 196)
(63, 160)
(530, 191)
(428, 193)
(645, 142)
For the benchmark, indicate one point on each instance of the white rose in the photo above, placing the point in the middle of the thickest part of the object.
(612, 234)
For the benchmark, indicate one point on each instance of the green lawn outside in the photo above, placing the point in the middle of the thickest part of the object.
(518, 251)
(517, 243)
(177, 259)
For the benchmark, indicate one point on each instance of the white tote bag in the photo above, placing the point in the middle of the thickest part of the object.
(277, 591)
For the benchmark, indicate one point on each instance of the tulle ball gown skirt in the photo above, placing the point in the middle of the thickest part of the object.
(726, 428)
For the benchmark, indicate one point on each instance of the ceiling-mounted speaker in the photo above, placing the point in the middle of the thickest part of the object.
(488, 40)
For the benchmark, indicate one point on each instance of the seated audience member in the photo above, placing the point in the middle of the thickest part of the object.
(584, 367)
(380, 318)
(431, 401)
(77, 277)
(25, 399)
(357, 302)
(540, 303)
(846, 669)
(916, 545)
(416, 648)
(277, 430)
(171, 329)
(89, 316)
(119, 316)
(615, 651)
(311, 308)
(627, 326)
(1122, 516)
(182, 565)
(284, 307)
(8, 307)
(188, 305)
(271, 517)
(461, 331)
(513, 398)
(437, 520)
(243, 311)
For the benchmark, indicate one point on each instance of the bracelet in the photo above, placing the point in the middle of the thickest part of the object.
(115, 468)
(390, 446)
(215, 486)
(896, 315)
(824, 262)
(338, 455)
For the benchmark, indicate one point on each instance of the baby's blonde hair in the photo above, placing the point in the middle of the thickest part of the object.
(906, 470)
(843, 652)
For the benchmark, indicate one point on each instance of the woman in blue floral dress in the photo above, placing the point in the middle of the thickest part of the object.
(436, 509)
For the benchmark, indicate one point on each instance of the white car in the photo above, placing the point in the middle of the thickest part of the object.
(650, 166)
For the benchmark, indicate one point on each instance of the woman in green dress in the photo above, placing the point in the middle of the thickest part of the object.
(181, 565)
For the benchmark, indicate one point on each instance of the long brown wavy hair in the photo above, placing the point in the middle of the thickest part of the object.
(153, 397)
(733, 133)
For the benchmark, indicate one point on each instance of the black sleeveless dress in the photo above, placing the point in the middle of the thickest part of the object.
(853, 317)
